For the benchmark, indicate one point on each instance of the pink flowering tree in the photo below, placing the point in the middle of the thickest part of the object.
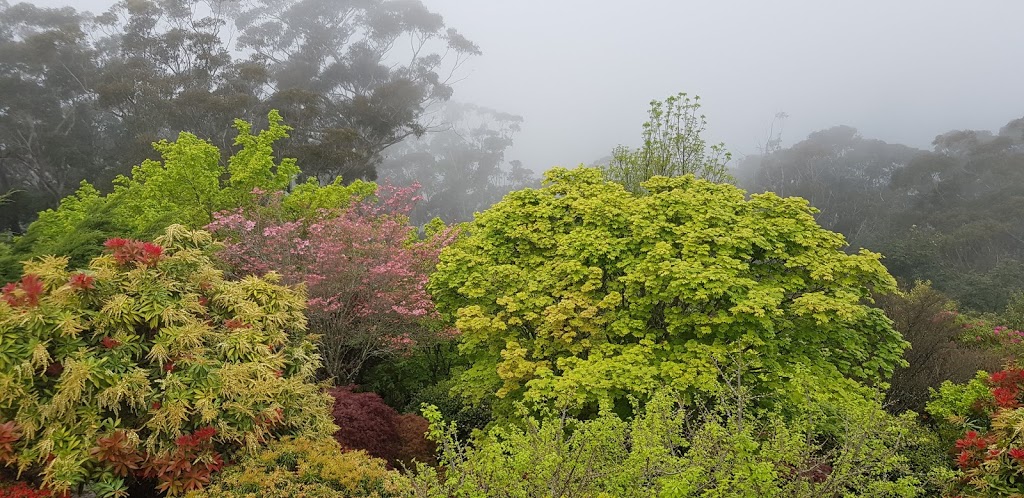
(365, 269)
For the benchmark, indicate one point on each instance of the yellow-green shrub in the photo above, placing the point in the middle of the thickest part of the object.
(311, 468)
(147, 359)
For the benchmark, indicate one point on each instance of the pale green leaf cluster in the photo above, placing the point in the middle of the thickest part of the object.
(189, 184)
(673, 145)
(580, 294)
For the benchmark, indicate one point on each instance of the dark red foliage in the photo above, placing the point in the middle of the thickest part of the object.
(365, 422)
(135, 251)
(187, 468)
(10, 433)
(22, 490)
(25, 293)
(412, 430)
(115, 450)
(81, 281)
(235, 323)
(55, 369)
(110, 343)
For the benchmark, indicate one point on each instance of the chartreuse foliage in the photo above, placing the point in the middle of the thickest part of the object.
(148, 364)
(667, 450)
(185, 187)
(580, 294)
(311, 468)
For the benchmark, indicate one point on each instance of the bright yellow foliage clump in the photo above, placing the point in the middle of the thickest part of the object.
(108, 372)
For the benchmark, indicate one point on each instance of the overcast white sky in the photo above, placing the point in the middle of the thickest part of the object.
(581, 72)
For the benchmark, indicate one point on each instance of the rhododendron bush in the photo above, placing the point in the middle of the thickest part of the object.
(364, 267)
(989, 413)
(149, 369)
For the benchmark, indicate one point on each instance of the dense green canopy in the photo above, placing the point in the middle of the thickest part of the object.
(582, 294)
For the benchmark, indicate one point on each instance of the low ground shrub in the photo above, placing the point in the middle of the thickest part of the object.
(310, 468)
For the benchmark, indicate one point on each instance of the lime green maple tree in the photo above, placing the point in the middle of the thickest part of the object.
(582, 294)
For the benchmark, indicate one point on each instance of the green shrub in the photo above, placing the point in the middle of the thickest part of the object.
(307, 468)
(668, 451)
(146, 359)
(581, 294)
(987, 417)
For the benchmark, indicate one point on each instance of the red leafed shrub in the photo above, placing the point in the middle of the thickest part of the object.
(118, 453)
(366, 423)
(10, 433)
(23, 294)
(993, 458)
(412, 430)
(135, 251)
(188, 467)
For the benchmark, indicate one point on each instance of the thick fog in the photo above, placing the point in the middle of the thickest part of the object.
(581, 72)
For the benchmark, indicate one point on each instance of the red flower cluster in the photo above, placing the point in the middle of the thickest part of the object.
(128, 251)
(81, 281)
(25, 293)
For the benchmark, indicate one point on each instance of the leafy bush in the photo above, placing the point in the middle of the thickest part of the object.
(931, 323)
(366, 423)
(400, 379)
(364, 267)
(149, 364)
(581, 294)
(186, 187)
(989, 414)
(669, 451)
(310, 468)
(454, 408)
(1013, 315)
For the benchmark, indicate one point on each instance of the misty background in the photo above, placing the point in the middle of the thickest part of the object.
(580, 72)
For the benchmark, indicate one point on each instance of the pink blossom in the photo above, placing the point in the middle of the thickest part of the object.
(365, 276)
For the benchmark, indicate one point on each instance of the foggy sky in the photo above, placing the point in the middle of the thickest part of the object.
(581, 72)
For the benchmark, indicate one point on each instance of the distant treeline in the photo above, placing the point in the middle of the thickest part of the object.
(85, 96)
(953, 215)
